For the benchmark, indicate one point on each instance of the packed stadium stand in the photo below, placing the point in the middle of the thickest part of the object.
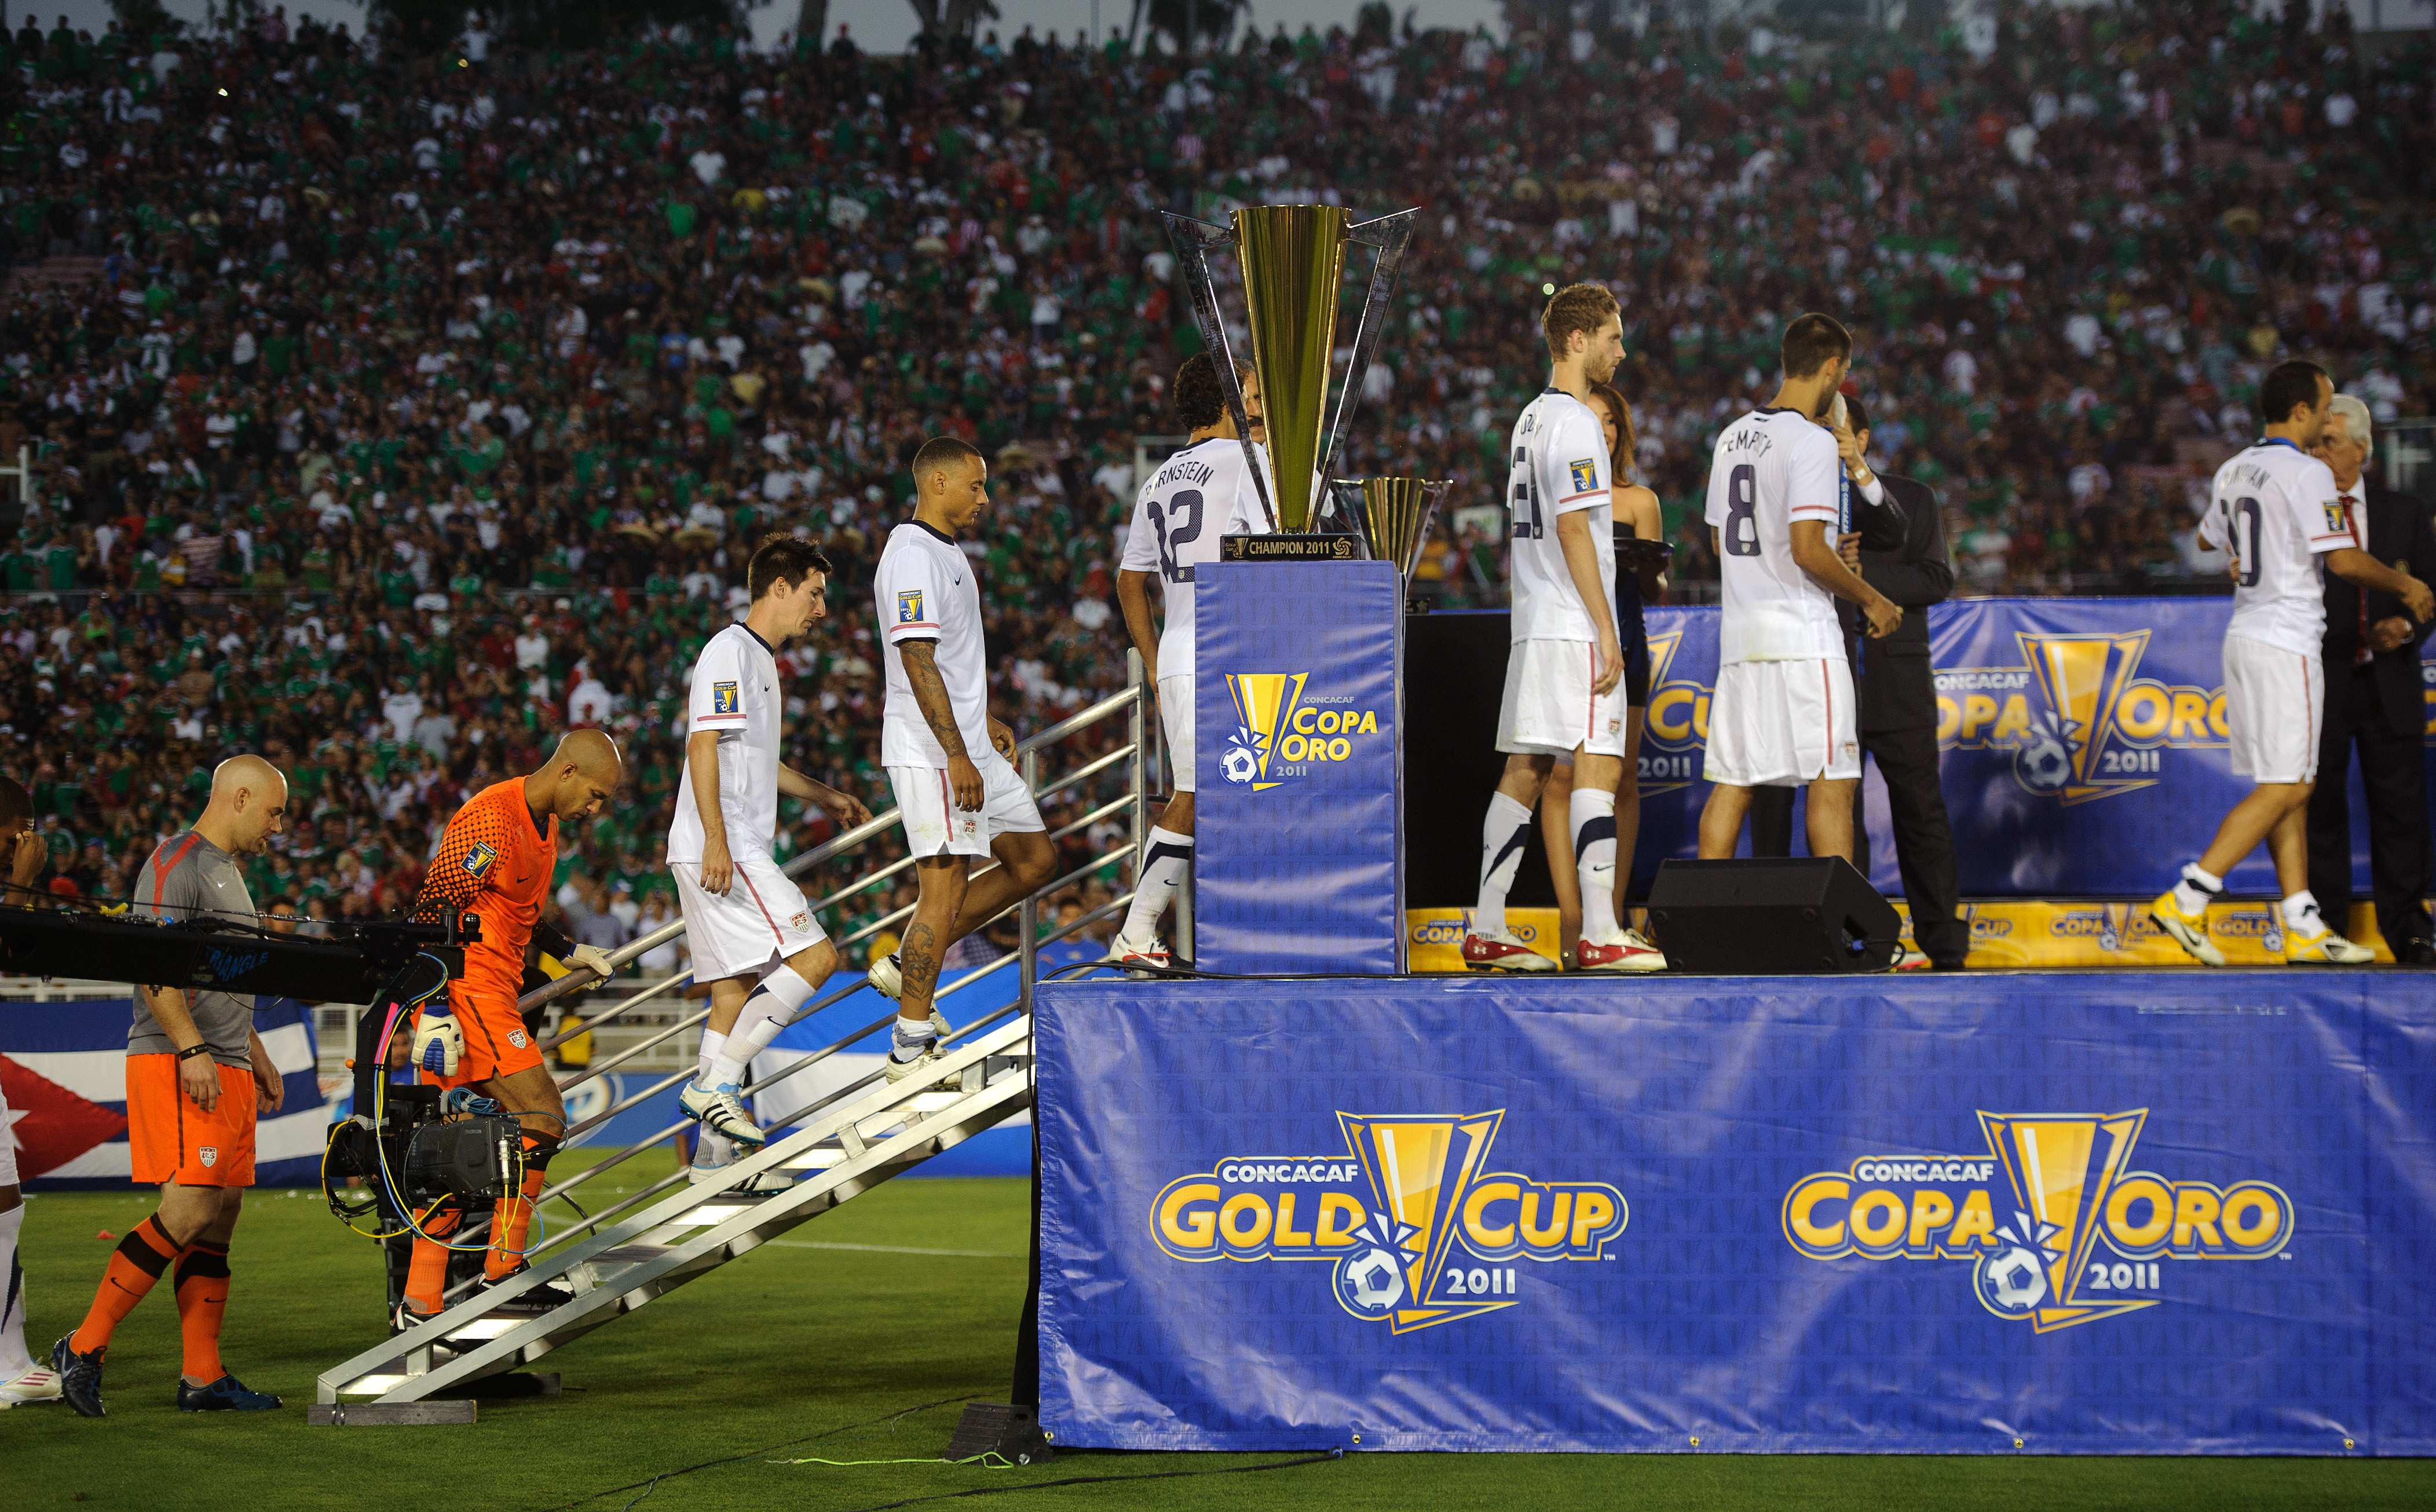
(390, 409)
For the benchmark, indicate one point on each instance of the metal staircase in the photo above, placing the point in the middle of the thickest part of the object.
(857, 1137)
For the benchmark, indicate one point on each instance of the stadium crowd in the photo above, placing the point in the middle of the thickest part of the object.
(391, 411)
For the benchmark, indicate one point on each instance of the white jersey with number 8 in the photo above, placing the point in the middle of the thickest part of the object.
(2275, 510)
(1771, 468)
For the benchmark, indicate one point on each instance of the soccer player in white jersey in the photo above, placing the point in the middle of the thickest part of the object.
(2277, 513)
(1199, 495)
(1782, 713)
(753, 938)
(948, 761)
(1565, 668)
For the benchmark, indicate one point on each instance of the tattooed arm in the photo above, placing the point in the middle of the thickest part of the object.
(931, 695)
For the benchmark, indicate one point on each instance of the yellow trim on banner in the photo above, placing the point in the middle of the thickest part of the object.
(2015, 934)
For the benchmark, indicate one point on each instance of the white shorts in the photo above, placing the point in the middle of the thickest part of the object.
(8, 1158)
(935, 827)
(760, 919)
(1176, 716)
(1549, 708)
(1783, 723)
(2274, 706)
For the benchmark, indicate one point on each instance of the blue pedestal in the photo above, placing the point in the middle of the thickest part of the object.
(1298, 864)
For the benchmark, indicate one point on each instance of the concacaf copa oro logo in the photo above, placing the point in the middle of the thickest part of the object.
(1281, 733)
(1413, 1225)
(2030, 1211)
(2080, 722)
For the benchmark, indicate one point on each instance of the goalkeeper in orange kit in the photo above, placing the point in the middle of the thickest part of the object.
(495, 862)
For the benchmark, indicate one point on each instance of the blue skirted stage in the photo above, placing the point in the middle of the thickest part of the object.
(2117, 1212)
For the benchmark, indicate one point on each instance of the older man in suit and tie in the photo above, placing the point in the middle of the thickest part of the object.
(2375, 700)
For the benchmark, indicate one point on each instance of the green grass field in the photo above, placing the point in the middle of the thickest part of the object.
(805, 1350)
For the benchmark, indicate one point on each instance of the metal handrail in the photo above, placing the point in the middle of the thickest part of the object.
(1133, 701)
(1030, 979)
(1131, 698)
(873, 928)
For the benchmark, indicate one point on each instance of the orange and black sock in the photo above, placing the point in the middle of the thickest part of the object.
(513, 1218)
(202, 1299)
(427, 1274)
(141, 1256)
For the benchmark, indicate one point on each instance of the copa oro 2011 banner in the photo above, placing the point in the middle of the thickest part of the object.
(2084, 749)
(2125, 1212)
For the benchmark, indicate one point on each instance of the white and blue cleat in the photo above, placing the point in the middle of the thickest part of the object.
(720, 1110)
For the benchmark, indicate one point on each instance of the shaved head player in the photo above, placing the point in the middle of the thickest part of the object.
(495, 860)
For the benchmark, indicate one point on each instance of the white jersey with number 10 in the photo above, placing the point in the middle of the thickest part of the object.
(1771, 468)
(2275, 510)
(1199, 495)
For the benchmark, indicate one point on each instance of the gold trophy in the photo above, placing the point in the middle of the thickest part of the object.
(1392, 515)
(1293, 259)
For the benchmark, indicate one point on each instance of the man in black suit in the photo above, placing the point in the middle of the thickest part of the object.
(1901, 553)
(2374, 699)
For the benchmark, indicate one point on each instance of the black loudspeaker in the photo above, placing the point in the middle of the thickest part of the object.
(1758, 918)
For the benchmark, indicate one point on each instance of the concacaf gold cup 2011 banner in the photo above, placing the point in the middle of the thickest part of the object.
(2084, 758)
(2105, 1213)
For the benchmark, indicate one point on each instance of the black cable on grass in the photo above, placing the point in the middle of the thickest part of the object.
(647, 1487)
(1099, 1479)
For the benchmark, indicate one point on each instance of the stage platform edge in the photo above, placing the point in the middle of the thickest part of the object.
(2020, 934)
(2081, 1212)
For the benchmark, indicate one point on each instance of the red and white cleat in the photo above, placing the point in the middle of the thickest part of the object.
(1907, 959)
(1501, 952)
(1132, 956)
(1631, 953)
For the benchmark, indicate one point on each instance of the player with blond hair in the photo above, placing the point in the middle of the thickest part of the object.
(1565, 671)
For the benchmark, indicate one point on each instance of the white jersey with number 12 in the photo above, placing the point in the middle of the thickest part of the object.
(1199, 495)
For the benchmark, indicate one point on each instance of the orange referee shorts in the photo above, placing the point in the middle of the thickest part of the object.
(496, 1044)
(171, 1139)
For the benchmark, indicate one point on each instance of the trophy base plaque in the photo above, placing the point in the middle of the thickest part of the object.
(1289, 548)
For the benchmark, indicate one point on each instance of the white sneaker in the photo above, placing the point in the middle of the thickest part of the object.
(40, 1385)
(887, 977)
(720, 1109)
(1131, 953)
(2324, 948)
(701, 1174)
(899, 1071)
(931, 1054)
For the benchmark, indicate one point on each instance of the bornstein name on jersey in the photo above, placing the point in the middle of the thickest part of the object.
(1201, 496)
